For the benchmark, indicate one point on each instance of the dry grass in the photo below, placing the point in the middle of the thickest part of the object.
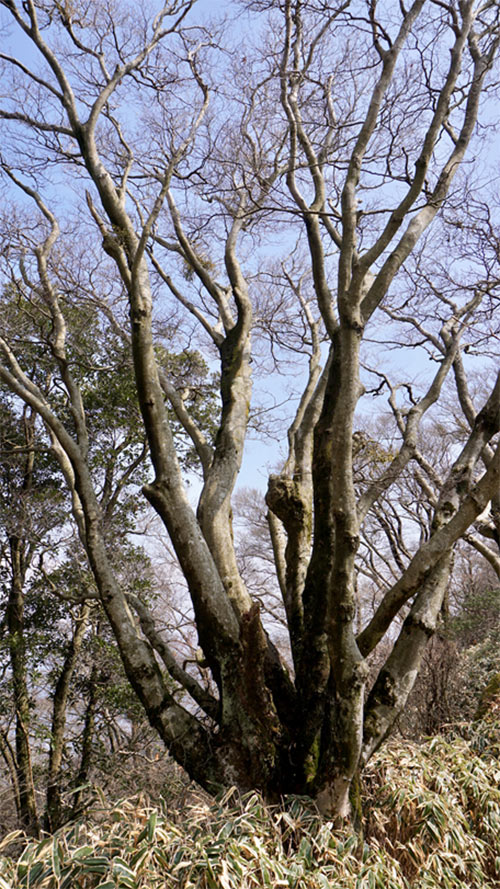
(433, 820)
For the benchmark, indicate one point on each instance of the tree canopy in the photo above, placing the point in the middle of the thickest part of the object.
(298, 208)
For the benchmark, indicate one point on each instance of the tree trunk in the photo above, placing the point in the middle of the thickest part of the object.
(359, 178)
(53, 806)
(17, 647)
(87, 745)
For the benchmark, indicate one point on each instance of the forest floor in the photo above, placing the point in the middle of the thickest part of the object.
(431, 819)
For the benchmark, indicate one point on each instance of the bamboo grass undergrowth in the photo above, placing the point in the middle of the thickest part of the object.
(432, 819)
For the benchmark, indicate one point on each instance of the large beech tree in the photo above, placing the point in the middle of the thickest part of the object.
(314, 196)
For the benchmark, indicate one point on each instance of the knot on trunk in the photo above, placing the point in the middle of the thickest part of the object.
(285, 499)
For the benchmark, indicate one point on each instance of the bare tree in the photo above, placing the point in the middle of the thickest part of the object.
(287, 193)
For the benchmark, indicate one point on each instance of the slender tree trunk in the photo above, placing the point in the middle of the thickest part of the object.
(9, 758)
(53, 808)
(17, 651)
(87, 745)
